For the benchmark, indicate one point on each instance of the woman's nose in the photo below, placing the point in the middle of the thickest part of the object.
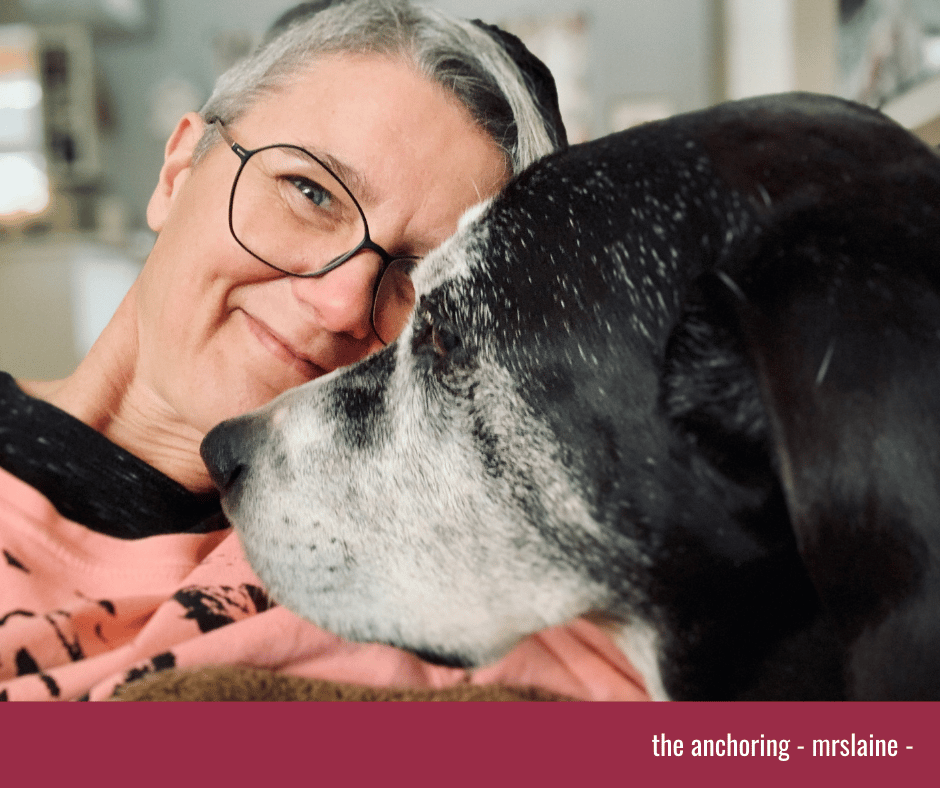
(342, 298)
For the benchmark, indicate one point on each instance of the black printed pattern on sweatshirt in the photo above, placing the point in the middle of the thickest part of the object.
(163, 661)
(214, 606)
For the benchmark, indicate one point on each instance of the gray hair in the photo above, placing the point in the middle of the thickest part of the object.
(458, 54)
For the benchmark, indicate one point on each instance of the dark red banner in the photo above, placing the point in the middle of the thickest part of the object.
(469, 744)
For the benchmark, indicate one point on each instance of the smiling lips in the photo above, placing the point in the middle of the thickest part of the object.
(281, 349)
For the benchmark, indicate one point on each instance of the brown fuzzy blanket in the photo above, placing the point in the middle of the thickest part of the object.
(227, 683)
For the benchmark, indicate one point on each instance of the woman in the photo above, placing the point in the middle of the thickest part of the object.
(320, 169)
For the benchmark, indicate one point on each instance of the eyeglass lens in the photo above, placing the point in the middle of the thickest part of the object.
(292, 213)
(288, 209)
(394, 299)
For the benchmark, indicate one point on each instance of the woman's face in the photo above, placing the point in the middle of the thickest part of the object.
(221, 333)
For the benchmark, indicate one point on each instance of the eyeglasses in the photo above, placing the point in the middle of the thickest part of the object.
(293, 213)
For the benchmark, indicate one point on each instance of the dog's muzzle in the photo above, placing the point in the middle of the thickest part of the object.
(228, 448)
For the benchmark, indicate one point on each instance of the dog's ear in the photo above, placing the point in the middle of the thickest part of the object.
(843, 336)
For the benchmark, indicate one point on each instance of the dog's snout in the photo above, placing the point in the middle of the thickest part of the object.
(228, 448)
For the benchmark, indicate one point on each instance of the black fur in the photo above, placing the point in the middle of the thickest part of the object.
(760, 287)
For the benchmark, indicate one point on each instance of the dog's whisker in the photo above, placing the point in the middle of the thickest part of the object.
(824, 366)
(764, 195)
(732, 286)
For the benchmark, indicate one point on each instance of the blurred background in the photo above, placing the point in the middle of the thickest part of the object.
(91, 89)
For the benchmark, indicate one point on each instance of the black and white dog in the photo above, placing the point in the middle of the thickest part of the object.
(684, 379)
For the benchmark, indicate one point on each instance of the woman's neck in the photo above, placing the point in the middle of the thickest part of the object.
(108, 393)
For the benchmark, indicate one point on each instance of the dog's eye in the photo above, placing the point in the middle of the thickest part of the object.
(435, 334)
(444, 340)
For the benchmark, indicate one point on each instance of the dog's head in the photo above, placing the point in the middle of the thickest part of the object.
(592, 413)
(447, 493)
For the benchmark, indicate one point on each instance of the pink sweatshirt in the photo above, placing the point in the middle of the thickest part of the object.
(81, 612)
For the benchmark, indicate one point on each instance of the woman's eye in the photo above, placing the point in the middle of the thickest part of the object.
(312, 191)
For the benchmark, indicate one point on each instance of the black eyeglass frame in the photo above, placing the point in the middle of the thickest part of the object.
(245, 154)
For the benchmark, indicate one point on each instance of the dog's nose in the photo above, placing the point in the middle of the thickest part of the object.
(228, 448)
